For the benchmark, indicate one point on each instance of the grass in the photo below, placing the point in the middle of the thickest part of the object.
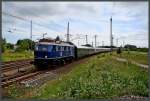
(140, 57)
(12, 56)
(101, 77)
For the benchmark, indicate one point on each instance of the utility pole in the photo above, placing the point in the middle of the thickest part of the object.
(86, 39)
(92, 43)
(68, 33)
(111, 37)
(117, 42)
(31, 34)
(123, 43)
(95, 41)
(102, 43)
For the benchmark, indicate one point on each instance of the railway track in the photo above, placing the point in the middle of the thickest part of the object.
(13, 69)
(30, 74)
(8, 66)
(16, 79)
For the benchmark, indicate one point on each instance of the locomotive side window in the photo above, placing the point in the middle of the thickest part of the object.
(50, 48)
(54, 48)
(62, 48)
(58, 48)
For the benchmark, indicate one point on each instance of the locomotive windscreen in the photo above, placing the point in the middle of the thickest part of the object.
(43, 48)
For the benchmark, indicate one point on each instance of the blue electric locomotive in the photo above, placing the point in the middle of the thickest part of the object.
(47, 53)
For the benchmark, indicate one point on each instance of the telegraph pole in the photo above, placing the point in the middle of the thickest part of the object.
(95, 41)
(86, 39)
(117, 42)
(31, 34)
(102, 43)
(123, 43)
(68, 33)
(111, 38)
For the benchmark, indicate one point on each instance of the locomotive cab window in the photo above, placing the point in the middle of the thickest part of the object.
(41, 47)
(36, 47)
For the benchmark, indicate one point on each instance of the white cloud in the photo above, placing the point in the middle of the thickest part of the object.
(85, 18)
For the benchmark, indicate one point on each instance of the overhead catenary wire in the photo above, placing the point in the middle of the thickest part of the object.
(21, 18)
(29, 20)
(37, 23)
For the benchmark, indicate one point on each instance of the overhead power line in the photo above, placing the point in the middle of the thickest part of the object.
(15, 16)
(24, 19)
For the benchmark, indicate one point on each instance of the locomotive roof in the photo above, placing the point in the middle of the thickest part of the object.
(53, 43)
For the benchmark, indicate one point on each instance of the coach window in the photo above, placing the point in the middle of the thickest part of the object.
(66, 48)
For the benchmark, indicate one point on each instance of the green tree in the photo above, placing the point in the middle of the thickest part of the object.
(9, 46)
(25, 44)
(3, 45)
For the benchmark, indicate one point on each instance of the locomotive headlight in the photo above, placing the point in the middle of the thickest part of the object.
(45, 56)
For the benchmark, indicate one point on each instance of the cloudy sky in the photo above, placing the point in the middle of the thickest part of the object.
(129, 21)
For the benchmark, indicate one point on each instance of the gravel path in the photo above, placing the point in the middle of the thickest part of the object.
(133, 62)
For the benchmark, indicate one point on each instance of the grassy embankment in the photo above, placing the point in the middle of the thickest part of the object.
(12, 56)
(139, 57)
(100, 77)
